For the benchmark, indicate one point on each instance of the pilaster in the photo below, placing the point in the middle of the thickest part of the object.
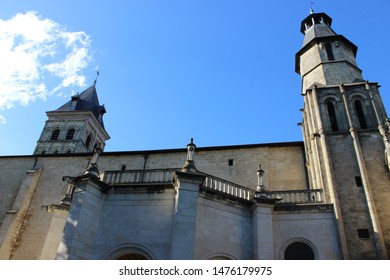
(83, 218)
(184, 220)
(262, 231)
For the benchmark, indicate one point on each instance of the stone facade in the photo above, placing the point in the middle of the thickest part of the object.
(324, 198)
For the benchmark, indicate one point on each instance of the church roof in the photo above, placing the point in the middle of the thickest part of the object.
(86, 101)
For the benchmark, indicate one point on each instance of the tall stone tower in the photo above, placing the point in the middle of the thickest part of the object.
(345, 130)
(75, 127)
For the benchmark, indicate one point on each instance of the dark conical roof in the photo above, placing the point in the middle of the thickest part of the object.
(86, 101)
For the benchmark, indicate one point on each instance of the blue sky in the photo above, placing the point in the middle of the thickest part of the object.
(221, 72)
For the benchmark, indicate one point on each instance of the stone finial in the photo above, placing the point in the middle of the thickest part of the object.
(260, 186)
(261, 194)
(67, 198)
(189, 165)
(93, 165)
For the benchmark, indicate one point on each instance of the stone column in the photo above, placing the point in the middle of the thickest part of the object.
(184, 219)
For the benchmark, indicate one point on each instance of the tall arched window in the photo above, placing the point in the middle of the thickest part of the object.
(298, 251)
(332, 116)
(55, 134)
(70, 134)
(360, 114)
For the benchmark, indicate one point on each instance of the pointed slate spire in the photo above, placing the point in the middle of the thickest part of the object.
(86, 101)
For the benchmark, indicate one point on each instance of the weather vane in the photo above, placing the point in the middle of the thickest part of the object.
(311, 7)
(97, 75)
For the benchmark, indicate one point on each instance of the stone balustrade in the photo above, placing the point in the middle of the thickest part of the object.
(148, 176)
(211, 183)
(299, 196)
(226, 187)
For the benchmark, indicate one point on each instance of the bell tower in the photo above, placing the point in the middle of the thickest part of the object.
(75, 127)
(345, 129)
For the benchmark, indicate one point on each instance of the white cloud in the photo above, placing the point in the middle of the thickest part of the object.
(38, 58)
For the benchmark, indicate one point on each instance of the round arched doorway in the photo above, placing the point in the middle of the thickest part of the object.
(299, 251)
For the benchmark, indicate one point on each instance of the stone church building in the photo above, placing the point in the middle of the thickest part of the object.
(327, 197)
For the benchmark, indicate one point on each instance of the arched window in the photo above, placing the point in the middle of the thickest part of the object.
(55, 134)
(88, 141)
(332, 116)
(129, 251)
(220, 256)
(132, 256)
(360, 114)
(70, 134)
(298, 251)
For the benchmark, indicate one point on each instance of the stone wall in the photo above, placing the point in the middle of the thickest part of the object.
(315, 227)
(144, 221)
(134, 221)
(352, 200)
(49, 190)
(12, 173)
(223, 230)
(283, 163)
(379, 177)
